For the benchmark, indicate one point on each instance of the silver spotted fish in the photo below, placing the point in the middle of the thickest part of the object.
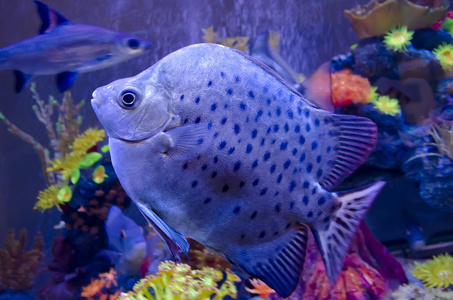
(211, 144)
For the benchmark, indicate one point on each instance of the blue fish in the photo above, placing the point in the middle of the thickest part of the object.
(210, 144)
(66, 49)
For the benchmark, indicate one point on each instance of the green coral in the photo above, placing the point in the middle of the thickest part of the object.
(180, 282)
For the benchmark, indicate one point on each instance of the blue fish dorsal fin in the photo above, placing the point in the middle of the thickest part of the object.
(170, 236)
(278, 263)
(50, 18)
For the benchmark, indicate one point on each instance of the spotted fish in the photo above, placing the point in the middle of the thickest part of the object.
(211, 144)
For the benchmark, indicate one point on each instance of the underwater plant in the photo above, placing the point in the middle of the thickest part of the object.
(444, 53)
(18, 268)
(349, 88)
(398, 39)
(180, 282)
(436, 272)
(415, 291)
(387, 105)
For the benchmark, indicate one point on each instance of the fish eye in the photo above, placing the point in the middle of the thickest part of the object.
(129, 98)
(133, 43)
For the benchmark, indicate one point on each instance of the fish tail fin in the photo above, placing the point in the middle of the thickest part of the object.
(334, 241)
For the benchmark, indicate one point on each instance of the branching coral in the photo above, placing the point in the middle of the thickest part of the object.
(239, 42)
(349, 88)
(179, 282)
(100, 288)
(414, 291)
(437, 272)
(17, 267)
(398, 39)
(260, 288)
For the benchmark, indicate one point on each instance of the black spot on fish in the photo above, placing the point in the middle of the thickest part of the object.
(295, 171)
(207, 200)
(249, 148)
(316, 122)
(236, 210)
(272, 169)
(269, 130)
(326, 219)
(287, 164)
(242, 183)
(290, 114)
(200, 141)
(286, 127)
(309, 168)
(307, 127)
(254, 133)
(225, 106)
(262, 142)
(288, 225)
(314, 145)
(253, 215)
(251, 95)
(231, 150)
(319, 213)
(268, 101)
(194, 183)
(279, 178)
(321, 201)
(305, 200)
(327, 120)
(307, 113)
(328, 149)
(213, 107)
(310, 214)
(277, 208)
(225, 188)
(319, 173)
(318, 159)
(255, 164)
(306, 184)
(276, 194)
(265, 89)
(301, 140)
(242, 236)
(313, 191)
(255, 182)
(197, 100)
(214, 174)
(283, 146)
(291, 205)
(222, 74)
(263, 191)
(237, 129)
(266, 156)
(223, 121)
(216, 159)
(258, 115)
(278, 111)
(229, 92)
(197, 120)
(222, 145)
(291, 98)
(242, 106)
(302, 157)
(237, 78)
(209, 83)
(292, 185)
(185, 166)
(297, 128)
(262, 234)
(204, 167)
(237, 166)
(182, 97)
(273, 141)
(294, 151)
(275, 233)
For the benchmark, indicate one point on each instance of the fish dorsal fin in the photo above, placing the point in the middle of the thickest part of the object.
(349, 141)
(170, 236)
(276, 75)
(277, 263)
(50, 18)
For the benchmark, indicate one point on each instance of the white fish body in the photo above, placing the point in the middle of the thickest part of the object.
(211, 145)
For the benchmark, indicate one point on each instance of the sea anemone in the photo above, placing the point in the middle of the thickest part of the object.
(437, 272)
(48, 198)
(65, 164)
(387, 105)
(444, 53)
(398, 39)
(87, 140)
(349, 88)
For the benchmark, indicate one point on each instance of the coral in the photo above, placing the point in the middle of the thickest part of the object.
(101, 288)
(437, 272)
(260, 288)
(17, 267)
(380, 16)
(398, 39)
(87, 140)
(444, 53)
(48, 198)
(239, 42)
(200, 256)
(178, 281)
(441, 132)
(414, 291)
(209, 36)
(349, 88)
(387, 105)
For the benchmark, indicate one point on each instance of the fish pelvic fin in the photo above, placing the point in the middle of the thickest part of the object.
(277, 263)
(22, 80)
(50, 18)
(350, 139)
(334, 241)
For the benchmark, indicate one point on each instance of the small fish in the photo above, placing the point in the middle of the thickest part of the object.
(66, 49)
(126, 238)
(211, 144)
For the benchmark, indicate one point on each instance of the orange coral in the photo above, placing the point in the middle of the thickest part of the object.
(260, 288)
(349, 88)
(94, 290)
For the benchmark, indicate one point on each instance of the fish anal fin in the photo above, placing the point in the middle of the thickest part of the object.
(350, 140)
(187, 141)
(334, 241)
(50, 18)
(277, 263)
(65, 80)
(170, 236)
(22, 80)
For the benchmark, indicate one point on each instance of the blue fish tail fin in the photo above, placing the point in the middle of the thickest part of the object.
(349, 141)
(50, 18)
(278, 263)
(334, 241)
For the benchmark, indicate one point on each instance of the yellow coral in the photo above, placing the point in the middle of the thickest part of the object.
(87, 140)
(238, 43)
(209, 36)
(274, 39)
(48, 198)
(387, 105)
(444, 53)
(398, 39)
(66, 164)
(437, 272)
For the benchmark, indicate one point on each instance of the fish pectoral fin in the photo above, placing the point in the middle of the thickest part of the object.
(277, 263)
(22, 80)
(50, 18)
(170, 236)
(187, 141)
(65, 80)
(334, 241)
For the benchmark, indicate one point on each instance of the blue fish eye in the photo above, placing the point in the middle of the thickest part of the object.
(133, 43)
(129, 98)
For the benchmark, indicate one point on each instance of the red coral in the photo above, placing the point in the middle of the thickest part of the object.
(349, 88)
